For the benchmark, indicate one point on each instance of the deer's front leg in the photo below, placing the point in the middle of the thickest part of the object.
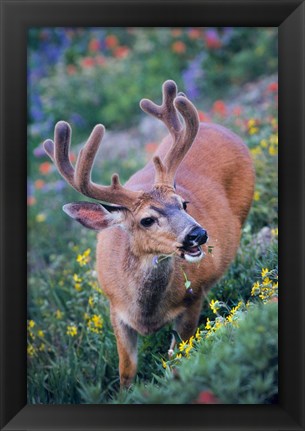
(186, 324)
(126, 339)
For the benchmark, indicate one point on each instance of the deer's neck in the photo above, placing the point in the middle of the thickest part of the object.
(152, 277)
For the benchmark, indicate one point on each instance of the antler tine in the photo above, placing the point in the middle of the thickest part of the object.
(183, 136)
(165, 112)
(185, 140)
(80, 178)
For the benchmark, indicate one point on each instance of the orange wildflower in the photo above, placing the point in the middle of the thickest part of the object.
(220, 108)
(111, 41)
(94, 45)
(31, 200)
(179, 47)
(272, 87)
(87, 62)
(39, 184)
(45, 168)
(194, 33)
(121, 52)
(204, 117)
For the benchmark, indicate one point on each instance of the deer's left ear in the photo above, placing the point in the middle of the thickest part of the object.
(95, 216)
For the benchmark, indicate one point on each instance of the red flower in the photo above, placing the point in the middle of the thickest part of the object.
(220, 108)
(179, 47)
(45, 168)
(206, 397)
(87, 62)
(94, 45)
(212, 39)
(204, 117)
(121, 52)
(194, 33)
(272, 87)
(31, 200)
(39, 184)
(111, 41)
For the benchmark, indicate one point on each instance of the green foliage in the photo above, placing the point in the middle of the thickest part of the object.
(237, 364)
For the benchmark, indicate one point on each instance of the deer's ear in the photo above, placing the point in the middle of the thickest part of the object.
(94, 216)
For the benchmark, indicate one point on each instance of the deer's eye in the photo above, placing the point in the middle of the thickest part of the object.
(185, 205)
(147, 221)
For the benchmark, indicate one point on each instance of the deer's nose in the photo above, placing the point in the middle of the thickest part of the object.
(196, 235)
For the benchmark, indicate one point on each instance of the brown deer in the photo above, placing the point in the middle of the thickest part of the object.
(200, 180)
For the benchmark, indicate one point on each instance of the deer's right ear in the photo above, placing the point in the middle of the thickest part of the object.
(94, 216)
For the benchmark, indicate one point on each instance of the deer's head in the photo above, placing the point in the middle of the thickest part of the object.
(156, 220)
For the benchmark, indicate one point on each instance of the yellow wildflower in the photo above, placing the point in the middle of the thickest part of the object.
(256, 196)
(40, 333)
(256, 151)
(198, 334)
(251, 122)
(191, 340)
(91, 301)
(208, 324)
(272, 150)
(41, 217)
(164, 364)
(218, 324)
(31, 324)
(84, 258)
(178, 356)
(264, 272)
(78, 287)
(266, 281)
(253, 130)
(77, 279)
(71, 330)
(255, 288)
(275, 231)
(58, 314)
(273, 139)
(31, 350)
(95, 324)
(187, 350)
(182, 346)
(264, 143)
(214, 305)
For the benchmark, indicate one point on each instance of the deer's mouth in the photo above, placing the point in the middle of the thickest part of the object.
(192, 253)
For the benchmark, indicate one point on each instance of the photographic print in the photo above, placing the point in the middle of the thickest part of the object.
(152, 215)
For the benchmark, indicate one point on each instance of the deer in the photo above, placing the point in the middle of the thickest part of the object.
(154, 229)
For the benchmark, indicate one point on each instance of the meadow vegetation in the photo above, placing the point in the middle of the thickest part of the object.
(99, 75)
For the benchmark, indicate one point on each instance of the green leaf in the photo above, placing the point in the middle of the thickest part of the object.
(187, 284)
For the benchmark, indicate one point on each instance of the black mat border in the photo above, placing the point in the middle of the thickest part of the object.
(16, 17)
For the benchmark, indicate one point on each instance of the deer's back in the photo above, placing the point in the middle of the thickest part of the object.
(217, 167)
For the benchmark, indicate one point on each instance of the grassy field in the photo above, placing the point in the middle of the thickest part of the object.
(72, 355)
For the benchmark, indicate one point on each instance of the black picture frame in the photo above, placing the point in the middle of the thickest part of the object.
(16, 17)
